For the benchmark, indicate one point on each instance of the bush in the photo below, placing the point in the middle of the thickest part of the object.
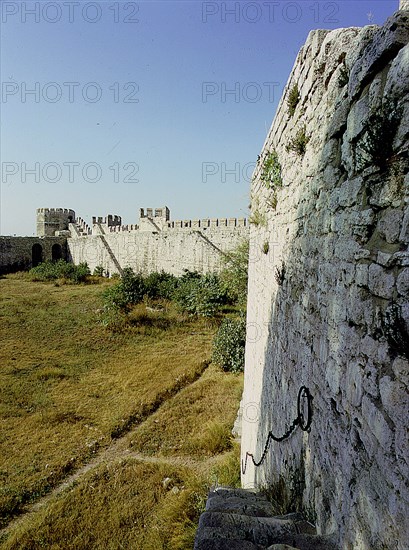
(229, 345)
(119, 298)
(98, 271)
(132, 285)
(200, 295)
(50, 271)
(160, 285)
(115, 300)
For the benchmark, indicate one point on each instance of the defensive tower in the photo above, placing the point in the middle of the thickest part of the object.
(50, 220)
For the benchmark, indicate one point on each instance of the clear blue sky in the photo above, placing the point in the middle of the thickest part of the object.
(186, 142)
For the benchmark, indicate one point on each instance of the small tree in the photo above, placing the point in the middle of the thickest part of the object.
(234, 277)
(229, 344)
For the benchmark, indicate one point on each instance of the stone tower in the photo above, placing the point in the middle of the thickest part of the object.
(50, 220)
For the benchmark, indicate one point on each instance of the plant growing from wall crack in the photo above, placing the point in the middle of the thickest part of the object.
(299, 143)
(375, 147)
(293, 100)
(271, 174)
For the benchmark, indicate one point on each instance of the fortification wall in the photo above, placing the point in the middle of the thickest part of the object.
(328, 302)
(16, 253)
(146, 252)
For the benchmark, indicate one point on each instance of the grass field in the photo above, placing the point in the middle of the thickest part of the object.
(138, 406)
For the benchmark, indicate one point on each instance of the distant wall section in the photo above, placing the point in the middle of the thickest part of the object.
(20, 253)
(147, 251)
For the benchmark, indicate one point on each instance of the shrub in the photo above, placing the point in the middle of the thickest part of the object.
(293, 100)
(50, 271)
(119, 298)
(132, 285)
(229, 345)
(98, 271)
(160, 285)
(115, 300)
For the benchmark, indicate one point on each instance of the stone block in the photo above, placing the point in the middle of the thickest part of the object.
(349, 192)
(361, 276)
(400, 368)
(402, 283)
(380, 282)
(384, 46)
(262, 531)
(390, 223)
(404, 234)
(353, 382)
(339, 119)
(377, 423)
(395, 399)
(357, 118)
(384, 259)
(397, 84)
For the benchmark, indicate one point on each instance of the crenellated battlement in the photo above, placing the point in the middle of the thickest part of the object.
(155, 213)
(56, 210)
(124, 228)
(110, 220)
(152, 220)
(83, 227)
(208, 223)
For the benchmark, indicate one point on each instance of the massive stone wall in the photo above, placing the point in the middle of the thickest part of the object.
(328, 300)
(145, 252)
(16, 253)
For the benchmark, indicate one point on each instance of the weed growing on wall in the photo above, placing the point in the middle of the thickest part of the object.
(258, 218)
(376, 145)
(343, 77)
(293, 100)
(271, 173)
(299, 143)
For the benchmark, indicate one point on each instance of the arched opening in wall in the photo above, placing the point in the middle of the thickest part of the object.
(56, 252)
(36, 254)
(69, 219)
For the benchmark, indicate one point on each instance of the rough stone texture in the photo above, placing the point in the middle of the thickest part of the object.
(226, 525)
(340, 230)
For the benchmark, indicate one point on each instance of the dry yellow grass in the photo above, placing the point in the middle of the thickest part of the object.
(69, 387)
(204, 413)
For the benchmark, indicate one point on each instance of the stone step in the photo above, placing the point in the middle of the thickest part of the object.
(241, 519)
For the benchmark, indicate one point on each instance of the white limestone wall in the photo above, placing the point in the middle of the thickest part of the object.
(339, 322)
(145, 252)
